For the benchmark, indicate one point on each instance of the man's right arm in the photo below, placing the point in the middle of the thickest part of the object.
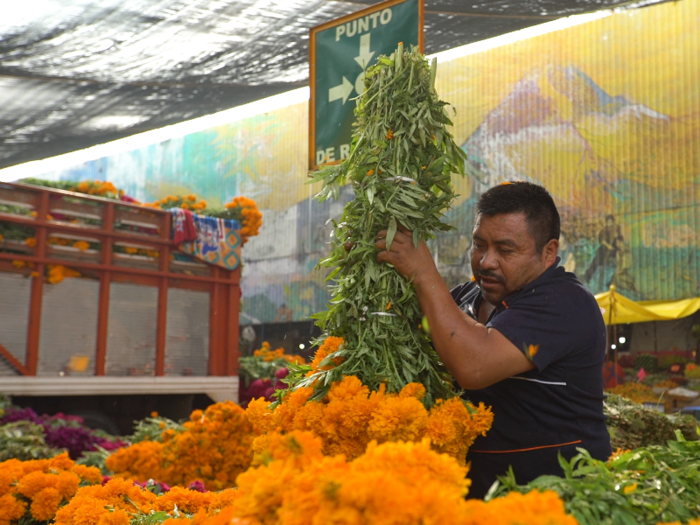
(475, 355)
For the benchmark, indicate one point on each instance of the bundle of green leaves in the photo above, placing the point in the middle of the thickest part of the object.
(24, 440)
(644, 486)
(400, 166)
(632, 425)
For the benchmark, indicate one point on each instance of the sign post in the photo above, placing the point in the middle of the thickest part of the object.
(340, 51)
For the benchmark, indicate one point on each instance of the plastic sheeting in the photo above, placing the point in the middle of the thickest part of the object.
(75, 73)
(618, 309)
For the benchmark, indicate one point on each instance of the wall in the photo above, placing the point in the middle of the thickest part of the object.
(606, 115)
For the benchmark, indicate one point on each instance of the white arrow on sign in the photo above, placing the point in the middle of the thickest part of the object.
(365, 54)
(341, 91)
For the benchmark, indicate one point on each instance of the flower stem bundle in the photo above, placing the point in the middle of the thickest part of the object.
(400, 167)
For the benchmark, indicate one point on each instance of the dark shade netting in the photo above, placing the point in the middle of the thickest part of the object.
(75, 73)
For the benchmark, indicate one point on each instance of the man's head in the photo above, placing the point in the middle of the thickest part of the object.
(515, 238)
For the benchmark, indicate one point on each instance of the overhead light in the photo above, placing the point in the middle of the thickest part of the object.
(302, 346)
(613, 346)
(622, 340)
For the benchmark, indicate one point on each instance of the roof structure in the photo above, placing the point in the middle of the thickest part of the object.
(76, 73)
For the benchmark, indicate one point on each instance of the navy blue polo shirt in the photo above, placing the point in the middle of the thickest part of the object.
(558, 405)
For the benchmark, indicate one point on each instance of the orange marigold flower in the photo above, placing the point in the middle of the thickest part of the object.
(370, 172)
(90, 474)
(117, 517)
(416, 390)
(12, 509)
(33, 483)
(330, 345)
(45, 504)
(81, 245)
(31, 242)
(67, 484)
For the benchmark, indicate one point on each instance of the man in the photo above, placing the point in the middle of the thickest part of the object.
(525, 337)
(605, 258)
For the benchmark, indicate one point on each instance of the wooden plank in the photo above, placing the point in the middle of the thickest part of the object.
(215, 314)
(12, 360)
(37, 291)
(232, 330)
(161, 326)
(103, 304)
(115, 269)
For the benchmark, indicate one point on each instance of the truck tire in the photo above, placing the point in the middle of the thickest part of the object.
(98, 421)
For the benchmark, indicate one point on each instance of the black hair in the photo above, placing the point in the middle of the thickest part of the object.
(610, 218)
(533, 200)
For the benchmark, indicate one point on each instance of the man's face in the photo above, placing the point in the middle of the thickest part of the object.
(504, 257)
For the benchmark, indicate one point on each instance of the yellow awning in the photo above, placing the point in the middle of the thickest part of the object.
(618, 309)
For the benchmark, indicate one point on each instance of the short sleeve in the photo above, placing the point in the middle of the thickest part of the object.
(550, 322)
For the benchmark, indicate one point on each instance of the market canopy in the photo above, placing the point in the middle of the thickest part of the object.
(618, 309)
(75, 73)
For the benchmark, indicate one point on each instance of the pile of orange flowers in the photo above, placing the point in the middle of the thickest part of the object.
(350, 417)
(399, 483)
(186, 202)
(248, 214)
(55, 273)
(35, 489)
(119, 501)
(268, 355)
(98, 188)
(214, 446)
(637, 392)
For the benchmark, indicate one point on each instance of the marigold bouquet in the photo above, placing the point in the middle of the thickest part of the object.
(186, 202)
(350, 417)
(96, 187)
(33, 491)
(122, 502)
(243, 210)
(214, 446)
(391, 484)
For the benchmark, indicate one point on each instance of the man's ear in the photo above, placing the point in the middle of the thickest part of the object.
(550, 252)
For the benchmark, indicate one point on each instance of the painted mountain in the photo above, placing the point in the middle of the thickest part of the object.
(601, 154)
(559, 128)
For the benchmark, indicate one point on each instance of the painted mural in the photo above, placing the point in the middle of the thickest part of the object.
(606, 115)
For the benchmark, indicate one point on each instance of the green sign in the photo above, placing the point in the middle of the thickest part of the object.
(340, 52)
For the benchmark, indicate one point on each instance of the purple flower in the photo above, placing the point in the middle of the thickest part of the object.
(198, 486)
(282, 373)
(15, 414)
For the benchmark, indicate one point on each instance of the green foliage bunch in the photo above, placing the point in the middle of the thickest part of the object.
(24, 441)
(644, 486)
(632, 425)
(400, 165)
